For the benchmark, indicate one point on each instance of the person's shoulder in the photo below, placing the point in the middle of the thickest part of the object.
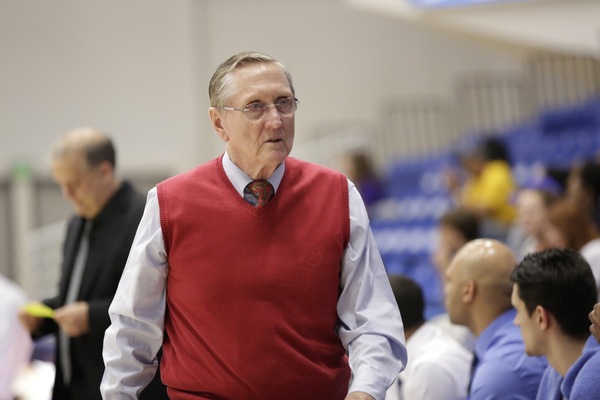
(590, 357)
(507, 369)
(587, 376)
(132, 197)
(430, 343)
(549, 387)
(504, 380)
(506, 348)
(436, 346)
(460, 333)
(191, 173)
(297, 164)
(497, 168)
(498, 164)
(591, 249)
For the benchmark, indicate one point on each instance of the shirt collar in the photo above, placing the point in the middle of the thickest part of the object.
(239, 179)
(486, 338)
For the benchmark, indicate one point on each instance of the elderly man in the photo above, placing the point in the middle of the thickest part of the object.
(255, 271)
(99, 235)
(553, 292)
(478, 295)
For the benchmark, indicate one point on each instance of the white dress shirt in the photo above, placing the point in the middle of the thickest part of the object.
(438, 367)
(15, 342)
(371, 328)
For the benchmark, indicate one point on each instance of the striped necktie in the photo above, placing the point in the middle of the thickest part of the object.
(72, 293)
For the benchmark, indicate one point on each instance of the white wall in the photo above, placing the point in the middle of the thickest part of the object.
(123, 66)
(140, 68)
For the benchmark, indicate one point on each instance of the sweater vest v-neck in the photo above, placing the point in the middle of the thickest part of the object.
(252, 292)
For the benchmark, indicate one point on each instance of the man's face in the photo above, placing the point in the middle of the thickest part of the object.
(449, 241)
(552, 236)
(575, 189)
(529, 329)
(531, 211)
(83, 186)
(256, 146)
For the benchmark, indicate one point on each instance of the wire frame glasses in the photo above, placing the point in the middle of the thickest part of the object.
(254, 111)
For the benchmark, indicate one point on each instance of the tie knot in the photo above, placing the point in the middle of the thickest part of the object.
(262, 190)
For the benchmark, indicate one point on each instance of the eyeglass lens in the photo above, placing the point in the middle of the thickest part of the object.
(283, 106)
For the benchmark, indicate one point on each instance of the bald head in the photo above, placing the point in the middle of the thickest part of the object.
(478, 286)
(83, 163)
(486, 261)
(95, 146)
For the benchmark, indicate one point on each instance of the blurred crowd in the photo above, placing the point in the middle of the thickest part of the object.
(499, 236)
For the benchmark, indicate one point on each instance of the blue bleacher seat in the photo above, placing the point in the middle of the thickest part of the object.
(406, 231)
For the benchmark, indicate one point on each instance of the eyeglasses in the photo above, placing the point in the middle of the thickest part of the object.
(254, 111)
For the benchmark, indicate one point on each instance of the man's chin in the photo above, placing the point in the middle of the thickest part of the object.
(83, 213)
(276, 156)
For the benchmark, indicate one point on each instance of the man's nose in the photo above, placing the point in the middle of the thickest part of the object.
(273, 116)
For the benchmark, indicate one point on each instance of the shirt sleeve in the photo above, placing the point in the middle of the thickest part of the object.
(371, 328)
(137, 311)
(16, 345)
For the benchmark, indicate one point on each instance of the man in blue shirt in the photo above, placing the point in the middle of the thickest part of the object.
(553, 292)
(478, 296)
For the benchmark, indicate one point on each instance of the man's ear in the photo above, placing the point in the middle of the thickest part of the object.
(106, 169)
(543, 318)
(469, 291)
(217, 123)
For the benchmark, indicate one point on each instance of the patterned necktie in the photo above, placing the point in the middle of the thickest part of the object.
(262, 190)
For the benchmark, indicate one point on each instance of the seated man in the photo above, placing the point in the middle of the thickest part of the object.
(455, 228)
(439, 366)
(553, 292)
(477, 293)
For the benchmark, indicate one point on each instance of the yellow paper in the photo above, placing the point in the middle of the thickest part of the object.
(39, 310)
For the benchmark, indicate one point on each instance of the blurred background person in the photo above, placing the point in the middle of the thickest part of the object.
(439, 366)
(488, 187)
(570, 226)
(455, 228)
(553, 292)
(15, 342)
(532, 204)
(96, 246)
(358, 166)
(478, 295)
(583, 187)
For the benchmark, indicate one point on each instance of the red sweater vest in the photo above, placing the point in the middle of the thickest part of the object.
(252, 292)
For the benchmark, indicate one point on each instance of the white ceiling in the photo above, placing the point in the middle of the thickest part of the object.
(561, 25)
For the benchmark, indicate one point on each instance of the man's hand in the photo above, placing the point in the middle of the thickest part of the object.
(29, 322)
(359, 396)
(73, 318)
(595, 320)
